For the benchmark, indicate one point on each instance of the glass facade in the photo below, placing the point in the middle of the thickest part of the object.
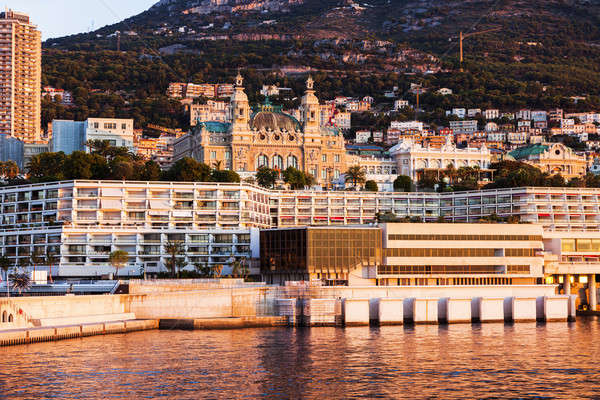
(319, 253)
(343, 250)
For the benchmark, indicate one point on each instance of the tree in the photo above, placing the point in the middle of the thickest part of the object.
(266, 177)
(151, 171)
(50, 259)
(101, 147)
(371, 186)
(118, 259)
(355, 174)
(9, 169)
(203, 269)
(47, 166)
(175, 249)
(5, 264)
(20, 281)
(188, 170)
(218, 175)
(403, 183)
(297, 179)
(239, 267)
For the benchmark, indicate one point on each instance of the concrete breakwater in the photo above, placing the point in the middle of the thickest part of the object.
(47, 334)
(233, 304)
(396, 311)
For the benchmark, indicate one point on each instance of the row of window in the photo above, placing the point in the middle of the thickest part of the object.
(464, 237)
(459, 252)
(571, 245)
(449, 269)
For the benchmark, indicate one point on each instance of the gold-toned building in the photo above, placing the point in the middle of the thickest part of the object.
(553, 158)
(266, 136)
(20, 77)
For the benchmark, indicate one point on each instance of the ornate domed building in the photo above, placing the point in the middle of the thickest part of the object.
(266, 136)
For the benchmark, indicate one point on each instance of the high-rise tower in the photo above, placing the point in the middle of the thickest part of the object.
(20, 77)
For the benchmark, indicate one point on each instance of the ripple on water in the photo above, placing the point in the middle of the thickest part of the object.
(458, 361)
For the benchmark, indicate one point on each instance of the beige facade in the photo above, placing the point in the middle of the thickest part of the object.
(20, 77)
(553, 158)
(268, 137)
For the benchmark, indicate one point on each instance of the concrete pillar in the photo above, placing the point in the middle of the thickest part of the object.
(356, 312)
(592, 289)
(567, 284)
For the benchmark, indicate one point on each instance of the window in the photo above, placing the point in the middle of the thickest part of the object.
(228, 155)
(96, 125)
(324, 158)
(337, 158)
(277, 162)
(312, 114)
(292, 161)
(568, 245)
(262, 161)
(110, 125)
(313, 172)
(213, 155)
(324, 174)
(336, 174)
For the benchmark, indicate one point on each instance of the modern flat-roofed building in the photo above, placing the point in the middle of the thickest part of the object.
(20, 77)
(82, 222)
(461, 254)
(70, 136)
(400, 254)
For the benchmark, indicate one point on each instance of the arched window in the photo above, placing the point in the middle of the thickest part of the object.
(292, 161)
(4, 316)
(262, 161)
(277, 162)
(10, 318)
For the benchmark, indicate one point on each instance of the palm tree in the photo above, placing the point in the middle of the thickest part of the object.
(101, 147)
(218, 165)
(20, 281)
(450, 173)
(5, 264)
(118, 259)
(50, 259)
(175, 249)
(356, 174)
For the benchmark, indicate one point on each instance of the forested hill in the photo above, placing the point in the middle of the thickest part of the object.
(540, 54)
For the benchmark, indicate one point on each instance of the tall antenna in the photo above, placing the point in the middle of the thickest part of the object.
(118, 40)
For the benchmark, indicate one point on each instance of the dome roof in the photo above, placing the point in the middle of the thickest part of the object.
(275, 121)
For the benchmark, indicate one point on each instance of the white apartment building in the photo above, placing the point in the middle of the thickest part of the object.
(468, 127)
(407, 125)
(491, 114)
(400, 104)
(473, 112)
(362, 136)
(83, 221)
(119, 132)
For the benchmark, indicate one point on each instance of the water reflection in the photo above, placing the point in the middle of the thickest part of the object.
(556, 360)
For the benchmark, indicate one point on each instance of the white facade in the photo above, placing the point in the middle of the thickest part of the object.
(491, 114)
(468, 127)
(407, 125)
(119, 132)
(411, 158)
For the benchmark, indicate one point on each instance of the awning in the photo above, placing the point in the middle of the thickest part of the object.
(182, 213)
(110, 204)
(160, 204)
(158, 212)
(112, 192)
